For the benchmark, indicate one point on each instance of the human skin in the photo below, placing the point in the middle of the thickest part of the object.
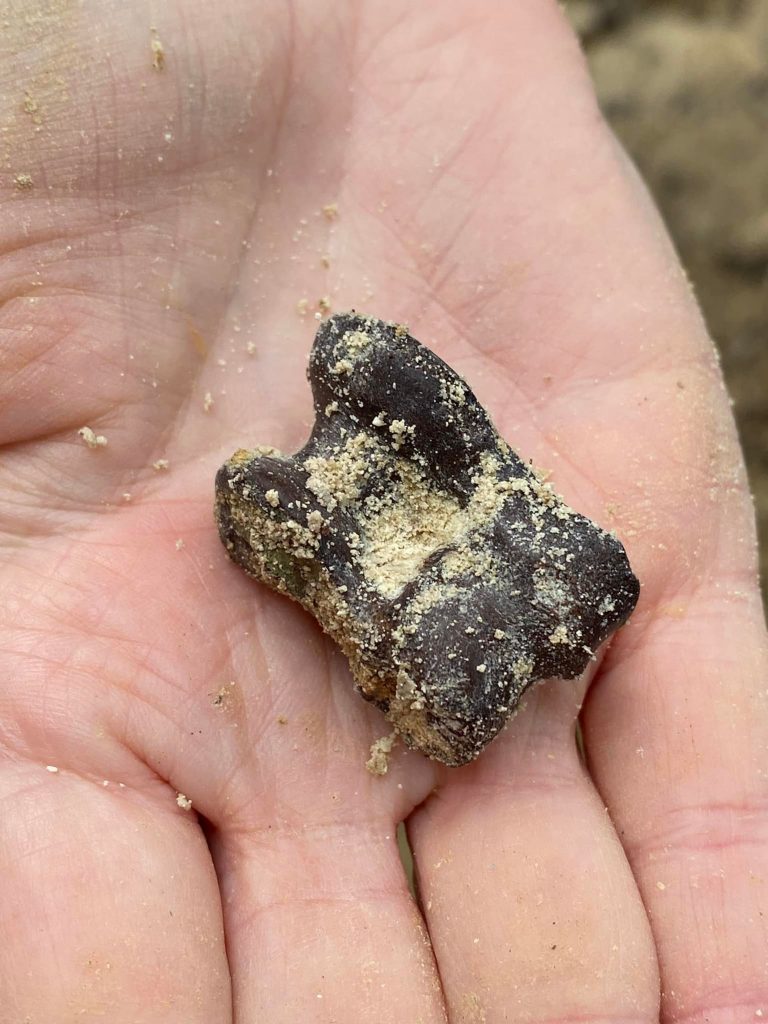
(173, 221)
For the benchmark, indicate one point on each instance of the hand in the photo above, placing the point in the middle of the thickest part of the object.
(161, 226)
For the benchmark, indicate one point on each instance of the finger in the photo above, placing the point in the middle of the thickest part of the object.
(531, 907)
(108, 902)
(321, 926)
(315, 900)
(677, 733)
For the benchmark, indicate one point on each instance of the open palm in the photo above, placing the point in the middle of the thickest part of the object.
(179, 196)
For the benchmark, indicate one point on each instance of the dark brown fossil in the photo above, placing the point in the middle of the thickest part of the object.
(450, 575)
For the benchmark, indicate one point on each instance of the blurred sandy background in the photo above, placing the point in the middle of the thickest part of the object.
(685, 85)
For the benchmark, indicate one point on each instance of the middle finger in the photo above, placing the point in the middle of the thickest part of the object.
(531, 907)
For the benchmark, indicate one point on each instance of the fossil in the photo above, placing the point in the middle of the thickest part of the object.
(450, 575)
